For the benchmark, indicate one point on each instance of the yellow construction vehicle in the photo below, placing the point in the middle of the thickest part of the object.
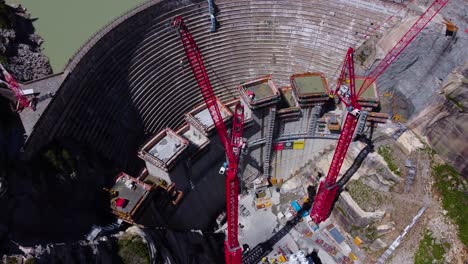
(282, 259)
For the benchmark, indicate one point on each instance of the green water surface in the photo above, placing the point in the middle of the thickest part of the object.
(66, 24)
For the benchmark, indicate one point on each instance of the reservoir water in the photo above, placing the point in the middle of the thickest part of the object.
(66, 24)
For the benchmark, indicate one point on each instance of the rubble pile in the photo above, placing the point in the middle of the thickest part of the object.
(20, 47)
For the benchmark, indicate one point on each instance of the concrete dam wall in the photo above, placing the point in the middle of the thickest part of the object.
(131, 79)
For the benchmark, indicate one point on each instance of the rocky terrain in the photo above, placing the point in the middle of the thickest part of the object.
(417, 74)
(20, 47)
(42, 202)
(444, 123)
(426, 86)
(123, 247)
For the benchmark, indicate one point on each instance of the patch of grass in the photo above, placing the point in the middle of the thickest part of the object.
(60, 159)
(430, 151)
(30, 261)
(387, 153)
(371, 233)
(429, 251)
(4, 60)
(453, 100)
(11, 260)
(132, 250)
(341, 211)
(451, 187)
(366, 197)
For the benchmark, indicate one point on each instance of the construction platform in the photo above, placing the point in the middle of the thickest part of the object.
(194, 136)
(163, 149)
(310, 88)
(200, 117)
(129, 195)
(259, 93)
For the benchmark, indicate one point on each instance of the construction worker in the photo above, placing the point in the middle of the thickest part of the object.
(251, 95)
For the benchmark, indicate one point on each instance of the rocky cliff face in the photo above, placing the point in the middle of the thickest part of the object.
(20, 47)
(425, 64)
(444, 122)
(414, 80)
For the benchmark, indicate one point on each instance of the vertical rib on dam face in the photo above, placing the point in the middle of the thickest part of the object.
(130, 80)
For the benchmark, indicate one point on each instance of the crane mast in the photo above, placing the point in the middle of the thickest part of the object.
(327, 188)
(233, 251)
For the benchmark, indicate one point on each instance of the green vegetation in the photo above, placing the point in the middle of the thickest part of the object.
(342, 211)
(3, 60)
(30, 261)
(371, 233)
(387, 153)
(451, 187)
(429, 251)
(430, 151)
(11, 260)
(361, 57)
(366, 197)
(453, 100)
(60, 159)
(132, 250)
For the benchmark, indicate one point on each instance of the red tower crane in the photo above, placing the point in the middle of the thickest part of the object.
(22, 101)
(348, 95)
(233, 252)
